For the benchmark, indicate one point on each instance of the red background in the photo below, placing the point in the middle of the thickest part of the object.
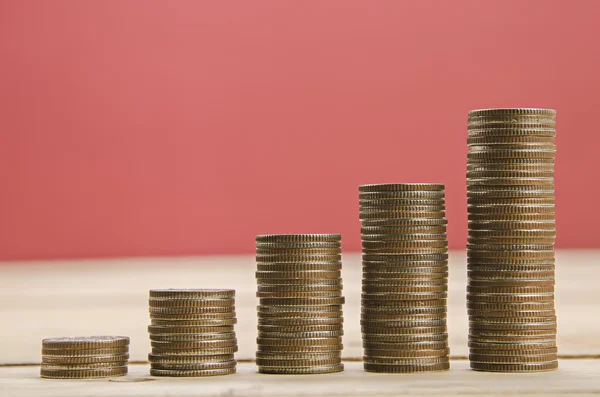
(187, 127)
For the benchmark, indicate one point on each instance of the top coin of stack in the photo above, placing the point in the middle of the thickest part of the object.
(84, 357)
(192, 332)
(510, 184)
(300, 323)
(405, 277)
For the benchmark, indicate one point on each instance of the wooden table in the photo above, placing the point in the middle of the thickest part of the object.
(87, 297)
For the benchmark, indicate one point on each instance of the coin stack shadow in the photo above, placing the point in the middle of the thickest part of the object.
(84, 357)
(405, 278)
(510, 250)
(192, 333)
(300, 322)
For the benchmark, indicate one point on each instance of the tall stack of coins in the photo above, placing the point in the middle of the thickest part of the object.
(300, 323)
(84, 357)
(191, 332)
(405, 278)
(510, 180)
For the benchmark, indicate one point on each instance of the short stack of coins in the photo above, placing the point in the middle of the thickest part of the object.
(405, 278)
(300, 321)
(84, 357)
(191, 332)
(510, 250)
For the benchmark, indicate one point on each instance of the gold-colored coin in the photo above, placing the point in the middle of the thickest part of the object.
(399, 304)
(404, 259)
(537, 367)
(190, 310)
(403, 289)
(404, 343)
(59, 352)
(194, 366)
(523, 359)
(157, 351)
(505, 298)
(299, 356)
(192, 293)
(287, 349)
(512, 113)
(169, 316)
(293, 328)
(282, 238)
(302, 309)
(424, 230)
(282, 267)
(85, 342)
(297, 251)
(195, 323)
(182, 303)
(410, 330)
(302, 301)
(368, 215)
(402, 202)
(497, 289)
(298, 274)
(192, 337)
(512, 254)
(187, 330)
(406, 195)
(192, 373)
(82, 366)
(170, 359)
(506, 348)
(107, 358)
(398, 369)
(407, 354)
(511, 306)
(284, 258)
(325, 341)
(513, 353)
(295, 363)
(403, 237)
(519, 139)
(474, 313)
(194, 345)
(401, 187)
(300, 322)
(367, 208)
(404, 311)
(513, 233)
(83, 373)
(298, 245)
(405, 222)
(404, 297)
(324, 369)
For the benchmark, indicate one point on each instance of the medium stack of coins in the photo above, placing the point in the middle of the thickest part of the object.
(191, 332)
(300, 323)
(84, 357)
(405, 278)
(510, 180)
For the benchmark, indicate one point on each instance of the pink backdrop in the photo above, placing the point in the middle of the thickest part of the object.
(187, 127)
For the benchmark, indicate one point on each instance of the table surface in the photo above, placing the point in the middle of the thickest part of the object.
(93, 297)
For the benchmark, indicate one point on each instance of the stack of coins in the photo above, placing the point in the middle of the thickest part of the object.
(300, 323)
(191, 332)
(405, 278)
(84, 357)
(510, 180)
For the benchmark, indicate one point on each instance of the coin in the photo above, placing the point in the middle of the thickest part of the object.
(84, 373)
(192, 373)
(85, 342)
(324, 369)
(192, 293)
(534, 367)
(275, 238)
(387, 368)
(401, 187)
(107, 358)
(183, 359)
(194, 366)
